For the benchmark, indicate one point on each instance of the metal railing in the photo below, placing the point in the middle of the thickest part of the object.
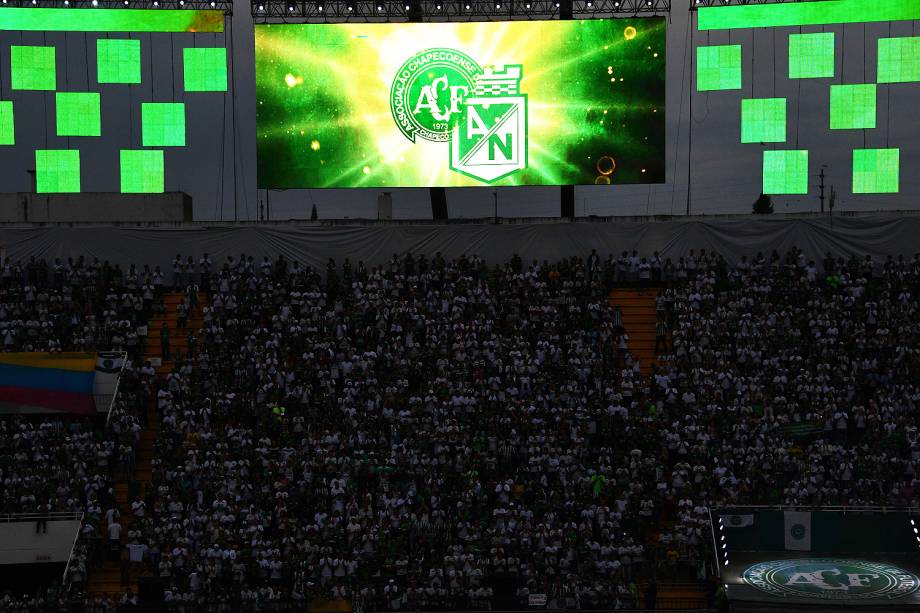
(73, 547)
(282, 606)
(8, 518)
(839, 509)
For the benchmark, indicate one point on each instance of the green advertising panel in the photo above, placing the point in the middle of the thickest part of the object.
(460, 104)
(899, 59)
(811, 56)
(806, 13)
(785, 172)
(7, 131)
(853, 106)
(118, 60)
(205, 69)
(78, 114)
(36, 19)
(32, 68)
(163, 124)
(718, 67)
(876, 171)
(141, 171)
(763, 120)
(57, 171)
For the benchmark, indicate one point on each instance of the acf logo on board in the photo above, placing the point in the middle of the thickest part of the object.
(443, 95)
(831, 579)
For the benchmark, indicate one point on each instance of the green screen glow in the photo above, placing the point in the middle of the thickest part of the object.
(163, 124)
(806, 13)
(32, 67)
(57, 171)
(460, 104)
(205, 69)
(142, 171)
(811, 56)
(78, 114)
(7, 133)
(109, 20)
(899, 59)
(875, 171)
(718, 67)
(763, 120)
(785, 172)
(852, 106)
(118, 60)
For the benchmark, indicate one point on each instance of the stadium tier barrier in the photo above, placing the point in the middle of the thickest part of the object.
(877, 234)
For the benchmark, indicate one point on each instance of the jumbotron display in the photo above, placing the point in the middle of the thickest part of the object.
(461, 104)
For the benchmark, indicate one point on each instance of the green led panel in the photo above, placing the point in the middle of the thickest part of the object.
(57, 171)
(806, 13)
(163, 124)
(78, 114)
(763, 120)
(32, 67)
(36, 19)
(142, 171)
(118, 60)
(785, 172)
(875, 171)
(811, 56)
(205, 69)
(7, 133)
(853, 107)
(718, 67)
(898, 59)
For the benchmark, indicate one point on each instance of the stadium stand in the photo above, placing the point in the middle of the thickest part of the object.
(455, 435)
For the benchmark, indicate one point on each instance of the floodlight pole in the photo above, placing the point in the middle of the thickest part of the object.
(689, 118)
(821, 185)
(566, 192)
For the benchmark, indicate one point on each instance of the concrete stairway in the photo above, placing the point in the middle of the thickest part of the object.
(681, 596)
(106, 577)
(178, 338)
(639, 318)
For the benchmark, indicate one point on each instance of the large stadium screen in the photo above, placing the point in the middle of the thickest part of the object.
(461, 104)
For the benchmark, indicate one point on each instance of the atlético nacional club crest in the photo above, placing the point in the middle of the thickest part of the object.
(443, 95)
(831, 579)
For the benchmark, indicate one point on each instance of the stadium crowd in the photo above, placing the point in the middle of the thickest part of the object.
(432, 434)
(56, 464)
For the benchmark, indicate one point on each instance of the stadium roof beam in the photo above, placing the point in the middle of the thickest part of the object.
(226, 6)
(282, 11)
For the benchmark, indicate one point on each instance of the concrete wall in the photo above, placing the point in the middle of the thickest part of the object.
(20, 545)
(95, 207)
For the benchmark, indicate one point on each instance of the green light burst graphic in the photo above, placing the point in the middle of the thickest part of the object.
(595, 93)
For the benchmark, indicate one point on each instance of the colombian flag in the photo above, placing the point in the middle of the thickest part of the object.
(48, 382)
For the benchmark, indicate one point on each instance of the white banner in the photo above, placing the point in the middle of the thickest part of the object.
(737, 521)
(105, 385)
(798, 530)
(536, 600)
